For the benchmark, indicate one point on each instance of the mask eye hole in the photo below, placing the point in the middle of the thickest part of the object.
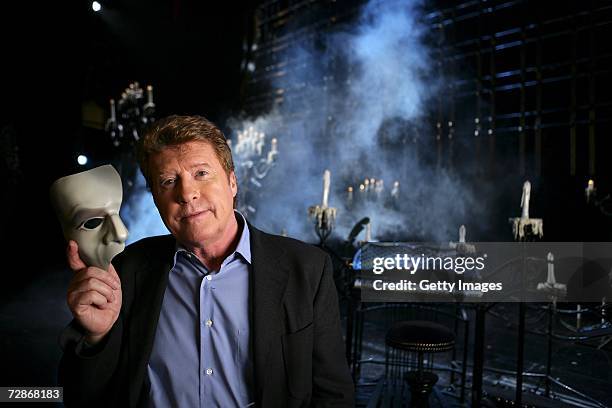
(92, 223)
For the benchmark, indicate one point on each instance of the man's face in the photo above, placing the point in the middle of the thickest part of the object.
(87, 205)
(193, 193)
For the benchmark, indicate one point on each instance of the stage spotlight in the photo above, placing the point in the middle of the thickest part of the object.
(82, 159)
(95, 6)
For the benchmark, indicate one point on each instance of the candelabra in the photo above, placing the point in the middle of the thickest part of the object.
(130, 115)
(128, 118)
(323, 215)
(253, 164)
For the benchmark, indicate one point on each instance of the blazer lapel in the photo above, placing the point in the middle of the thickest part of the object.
(150, 285)
(269, 280)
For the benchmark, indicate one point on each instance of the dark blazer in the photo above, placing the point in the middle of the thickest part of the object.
(295, 328)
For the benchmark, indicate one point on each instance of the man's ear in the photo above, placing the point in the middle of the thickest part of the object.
(233, 183)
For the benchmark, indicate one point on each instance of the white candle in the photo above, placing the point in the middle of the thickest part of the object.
(525, 199)
(273, 151)
(395, 189)
(462, 234)
(550, 278)
(326, 184)
(251, 140)
(112, 109)
(590, 190)
(261, 139)
(368, 233)
(380, 186)
(150, 94)
(591, 185)
(273, 148)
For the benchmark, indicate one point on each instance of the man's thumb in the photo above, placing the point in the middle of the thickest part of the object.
(72, 254)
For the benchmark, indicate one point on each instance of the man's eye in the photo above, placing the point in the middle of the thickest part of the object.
(167, 182)
(92, 223)
(201, 173)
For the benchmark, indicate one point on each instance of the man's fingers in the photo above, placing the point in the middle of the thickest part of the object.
(113, 273)
(95, 285)
(97, 273)
(90, 298)
(72, 254)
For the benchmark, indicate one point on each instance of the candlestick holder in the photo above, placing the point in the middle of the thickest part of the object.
(325, 218)
(551, 287)
(323, 215)
(462, 246)
(524, 227)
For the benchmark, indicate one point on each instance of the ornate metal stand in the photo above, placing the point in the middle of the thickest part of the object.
(323, 215)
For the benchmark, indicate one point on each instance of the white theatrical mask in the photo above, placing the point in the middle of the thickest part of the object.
(87, 205)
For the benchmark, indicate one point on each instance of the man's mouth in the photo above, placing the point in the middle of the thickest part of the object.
(193, 215)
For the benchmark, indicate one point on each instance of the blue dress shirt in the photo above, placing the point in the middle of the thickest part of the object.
(201, 355)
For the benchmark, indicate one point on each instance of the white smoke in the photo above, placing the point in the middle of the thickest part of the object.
(334, 118)
(140, 214)
(355, 103)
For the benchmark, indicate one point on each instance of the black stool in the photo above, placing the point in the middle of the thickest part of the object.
(420, 337)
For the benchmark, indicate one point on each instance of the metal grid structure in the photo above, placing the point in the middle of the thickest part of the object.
(537, 73)
(527, 78)
(281, 25)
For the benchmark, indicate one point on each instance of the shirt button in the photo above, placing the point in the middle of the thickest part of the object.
(209, 371)
(209, 323)
(208, 277)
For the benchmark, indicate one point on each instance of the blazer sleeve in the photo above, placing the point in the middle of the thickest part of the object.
(332, 382)
(92, 376)
(87, 372)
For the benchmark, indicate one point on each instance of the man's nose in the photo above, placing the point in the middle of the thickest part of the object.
(116, 230)
(187, 191)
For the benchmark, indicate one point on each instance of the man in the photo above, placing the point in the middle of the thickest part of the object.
(216, 314)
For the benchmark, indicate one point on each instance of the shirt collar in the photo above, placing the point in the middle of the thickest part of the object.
(244, 244)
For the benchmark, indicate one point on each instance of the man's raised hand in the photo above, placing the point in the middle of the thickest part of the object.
(94, 296)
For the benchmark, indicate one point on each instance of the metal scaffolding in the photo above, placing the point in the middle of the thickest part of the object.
(521, 74)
